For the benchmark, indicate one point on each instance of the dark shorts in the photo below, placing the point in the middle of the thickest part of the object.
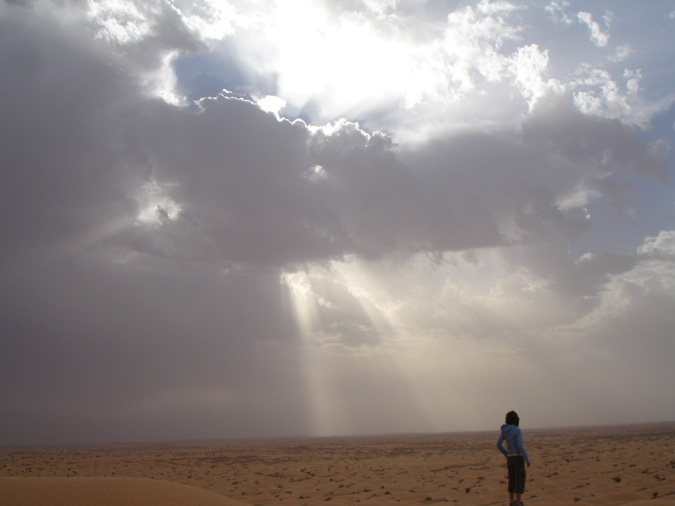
(516, 466)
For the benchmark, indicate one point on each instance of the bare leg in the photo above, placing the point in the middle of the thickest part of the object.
(511, 501)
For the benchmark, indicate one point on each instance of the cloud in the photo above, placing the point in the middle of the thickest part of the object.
(661, 245)
(531, 66)
(531, 308)
(195, 185)
(606, 144)
(407, 63)
(557, 12)
(222, 268)
(371, 198)
(598, 37)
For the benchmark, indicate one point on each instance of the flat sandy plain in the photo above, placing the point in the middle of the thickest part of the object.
(592, 466)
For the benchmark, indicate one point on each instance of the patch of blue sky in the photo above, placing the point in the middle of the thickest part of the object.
(207, 74)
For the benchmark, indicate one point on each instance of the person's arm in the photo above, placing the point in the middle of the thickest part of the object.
(500, 445)
(521, 448)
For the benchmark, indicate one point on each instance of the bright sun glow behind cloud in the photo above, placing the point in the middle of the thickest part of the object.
(424, 346)
(155, 205)
(345, 64)
(350, 61)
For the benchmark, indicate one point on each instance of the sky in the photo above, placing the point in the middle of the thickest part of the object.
(235, 219)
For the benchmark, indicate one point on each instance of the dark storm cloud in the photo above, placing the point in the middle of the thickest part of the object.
(257, 190)
(86, 342)
(57, 176)
(601, 144)
(85, 345)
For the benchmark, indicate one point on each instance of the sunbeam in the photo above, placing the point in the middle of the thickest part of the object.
(354, 370)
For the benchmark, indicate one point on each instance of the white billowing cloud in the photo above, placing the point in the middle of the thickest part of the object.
(270, 103)
(417, 75)
(212, 19)
(598, 93)
(472, 42)
(531, 65)
(598, 37)
(609, 102)
(424, 72)
(120, 22)
(662, 244)
(334, 61)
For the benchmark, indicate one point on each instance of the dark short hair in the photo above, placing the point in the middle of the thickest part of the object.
(512, 418)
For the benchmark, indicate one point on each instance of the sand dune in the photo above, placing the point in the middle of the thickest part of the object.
(104, 492)
(632, 465)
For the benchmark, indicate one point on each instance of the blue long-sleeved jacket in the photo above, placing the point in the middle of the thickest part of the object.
(514, 441)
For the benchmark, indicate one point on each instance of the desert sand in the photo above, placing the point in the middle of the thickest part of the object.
(592, 466)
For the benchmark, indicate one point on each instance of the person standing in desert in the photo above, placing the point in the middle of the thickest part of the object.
(516, 457)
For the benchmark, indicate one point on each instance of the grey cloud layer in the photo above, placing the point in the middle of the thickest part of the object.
(243, 181)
